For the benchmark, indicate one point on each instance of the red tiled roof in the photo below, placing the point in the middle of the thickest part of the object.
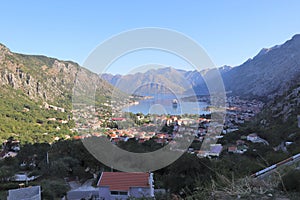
(122, 181)
(118, 119)
(232, 148)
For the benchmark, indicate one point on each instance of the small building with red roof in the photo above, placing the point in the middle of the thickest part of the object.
(122, 185)
(118, 119)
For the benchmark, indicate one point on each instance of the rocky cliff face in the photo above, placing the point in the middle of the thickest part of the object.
(269, 74)
(288, 105)
(43, 78)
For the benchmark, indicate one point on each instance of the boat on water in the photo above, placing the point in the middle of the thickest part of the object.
(175, 103)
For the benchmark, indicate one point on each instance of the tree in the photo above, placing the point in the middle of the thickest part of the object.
(5, 173)
(53, 189)
(291, 181)
(184, 173)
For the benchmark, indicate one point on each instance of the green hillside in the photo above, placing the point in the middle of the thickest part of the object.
(27, 121)
(35, 90)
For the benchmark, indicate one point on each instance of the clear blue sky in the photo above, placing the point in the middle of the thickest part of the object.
(230, 31)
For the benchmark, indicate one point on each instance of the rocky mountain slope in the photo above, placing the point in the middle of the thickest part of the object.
(279, 122)
(42, 78)
(268, 74)
(36, 96)
(288, 105)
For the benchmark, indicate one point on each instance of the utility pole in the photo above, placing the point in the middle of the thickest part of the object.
(47, 157)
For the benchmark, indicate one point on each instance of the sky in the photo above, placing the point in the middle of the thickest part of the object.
(229, 31)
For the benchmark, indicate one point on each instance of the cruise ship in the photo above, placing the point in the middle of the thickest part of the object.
(175, 103)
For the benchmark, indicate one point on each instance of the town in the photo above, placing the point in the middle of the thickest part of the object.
(161, 129)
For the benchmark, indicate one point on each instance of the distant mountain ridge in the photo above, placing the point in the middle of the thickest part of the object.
(267, 75)
(164, 80)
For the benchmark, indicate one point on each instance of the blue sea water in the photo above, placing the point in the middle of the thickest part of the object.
(162, 104)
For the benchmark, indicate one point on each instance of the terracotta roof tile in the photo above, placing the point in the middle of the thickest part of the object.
(122, 181)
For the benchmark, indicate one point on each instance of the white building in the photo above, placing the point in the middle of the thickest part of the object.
(29, 193)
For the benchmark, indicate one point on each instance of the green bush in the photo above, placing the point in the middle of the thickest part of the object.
(8, 186)
(54, 188)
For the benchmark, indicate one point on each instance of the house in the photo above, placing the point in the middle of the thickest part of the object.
(256, 139)
(215, 150)
(115, 140)
(229, 130)
(123, 185)
(161, 140)
(252, 137)
(288, 143)
(29, 193)
(83, 193)
(232, 149)
(240, 142)
(8, 154)
(118, 119)
(22, 177)
(237, 149)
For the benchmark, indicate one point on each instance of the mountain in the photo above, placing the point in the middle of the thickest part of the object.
(279, 120)
(287, 106)
(43, 78)
(113, 79)
(196, 79)
(270, 73)
(163, 80)
(29, 84)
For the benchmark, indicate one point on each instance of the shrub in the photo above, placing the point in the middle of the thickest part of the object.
(291, 181)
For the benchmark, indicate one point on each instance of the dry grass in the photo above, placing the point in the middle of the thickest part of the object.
(247, 188)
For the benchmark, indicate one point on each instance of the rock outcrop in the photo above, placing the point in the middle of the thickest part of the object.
(43, 78)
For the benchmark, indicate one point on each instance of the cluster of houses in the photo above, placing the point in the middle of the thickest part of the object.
(241, 145)
(92, 119)
(239, 111)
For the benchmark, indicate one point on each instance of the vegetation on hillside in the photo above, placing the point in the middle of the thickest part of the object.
(28, 121)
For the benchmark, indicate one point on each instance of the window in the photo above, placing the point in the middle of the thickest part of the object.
(118, 192)
(123, 193)
(114, 192)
